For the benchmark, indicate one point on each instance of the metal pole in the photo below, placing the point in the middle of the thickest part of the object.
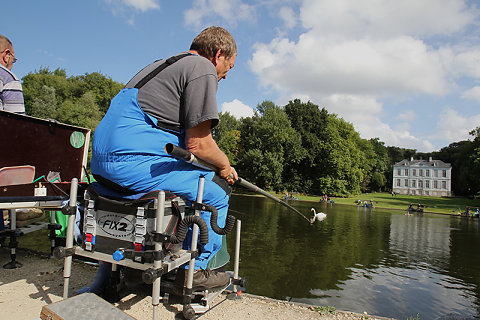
(52, 240)
(13, 239)
(159, 214)
(67, 267)
(236, 260)
(193, 248)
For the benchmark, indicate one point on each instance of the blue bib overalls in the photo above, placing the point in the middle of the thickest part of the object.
(128, 149)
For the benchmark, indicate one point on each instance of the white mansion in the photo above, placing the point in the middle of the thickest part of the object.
(421, 177)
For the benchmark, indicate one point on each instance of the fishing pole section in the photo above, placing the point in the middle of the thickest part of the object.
(189, 157)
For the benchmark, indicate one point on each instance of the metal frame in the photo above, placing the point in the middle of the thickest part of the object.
(167, 264)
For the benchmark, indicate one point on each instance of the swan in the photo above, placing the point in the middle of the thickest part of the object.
(317, 216)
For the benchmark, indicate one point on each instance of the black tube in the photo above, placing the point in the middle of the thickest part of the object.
(182, 228)
(187, 156)
(229, 223)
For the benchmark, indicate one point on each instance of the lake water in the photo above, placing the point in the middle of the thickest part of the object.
(378, 261)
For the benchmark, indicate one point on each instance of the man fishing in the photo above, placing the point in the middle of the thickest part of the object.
(172, 101)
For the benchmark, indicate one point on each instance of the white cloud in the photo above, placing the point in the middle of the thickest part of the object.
(288, 16)
(237, 109)
(453, 126)
(142, 5)
(366, 66)
(122, 8)
(386, 18)
(356, 55)
(407, 115)
(473, 94)
(232, 12)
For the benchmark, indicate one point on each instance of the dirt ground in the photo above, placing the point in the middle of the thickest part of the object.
(24, 291)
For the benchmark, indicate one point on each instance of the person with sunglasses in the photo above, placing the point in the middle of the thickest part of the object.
(11, 94)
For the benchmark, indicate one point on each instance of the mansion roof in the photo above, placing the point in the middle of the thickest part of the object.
(423, 163)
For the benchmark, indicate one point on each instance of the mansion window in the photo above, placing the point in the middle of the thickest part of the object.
(444, 184)
(399, 172)
(414, 183)
(427, 173)
(444, 173)
(414, 172)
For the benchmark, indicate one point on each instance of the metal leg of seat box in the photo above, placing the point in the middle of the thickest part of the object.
(67, 267)
(188, 310)
(159, 214)
(13, 264)
(236, 261)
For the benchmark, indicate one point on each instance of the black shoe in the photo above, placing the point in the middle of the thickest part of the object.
(202, 280)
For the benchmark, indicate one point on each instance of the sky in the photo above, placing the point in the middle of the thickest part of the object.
(406, 72)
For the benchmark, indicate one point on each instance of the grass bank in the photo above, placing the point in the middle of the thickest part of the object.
(431, 204)
(400, 202)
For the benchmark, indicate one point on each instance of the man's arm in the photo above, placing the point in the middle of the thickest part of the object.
(199, 141)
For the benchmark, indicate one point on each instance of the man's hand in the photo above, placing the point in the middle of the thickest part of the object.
(229, 174)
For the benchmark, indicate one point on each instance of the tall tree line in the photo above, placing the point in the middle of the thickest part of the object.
(298, 147)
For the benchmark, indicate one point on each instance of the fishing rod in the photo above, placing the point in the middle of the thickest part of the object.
(189, 157)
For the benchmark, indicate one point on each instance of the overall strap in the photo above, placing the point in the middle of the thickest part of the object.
(157, 70)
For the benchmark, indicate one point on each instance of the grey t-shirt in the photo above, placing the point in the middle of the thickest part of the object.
(182, 95)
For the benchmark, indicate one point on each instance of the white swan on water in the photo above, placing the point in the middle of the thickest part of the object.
(317, 216)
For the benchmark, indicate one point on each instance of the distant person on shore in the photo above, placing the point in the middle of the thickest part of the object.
(11, 94)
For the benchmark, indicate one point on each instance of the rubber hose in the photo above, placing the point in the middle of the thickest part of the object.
(182, 228)
(229, 223)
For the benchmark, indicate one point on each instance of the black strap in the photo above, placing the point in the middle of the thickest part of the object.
(157, 70)
(112, 185)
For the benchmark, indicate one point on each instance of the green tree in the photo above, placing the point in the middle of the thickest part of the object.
(41, 101)
(380, 165)
(102, 87)
(227, 136)
(311, 123)
(82, 112)
(464, 156)
(44, 105)
(268, 143)
(334, 162)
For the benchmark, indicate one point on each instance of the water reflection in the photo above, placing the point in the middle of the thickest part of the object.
(379, 261)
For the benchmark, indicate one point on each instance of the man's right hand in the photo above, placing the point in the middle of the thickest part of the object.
(229, 174)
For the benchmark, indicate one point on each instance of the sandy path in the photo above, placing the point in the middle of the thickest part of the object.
(24, 291)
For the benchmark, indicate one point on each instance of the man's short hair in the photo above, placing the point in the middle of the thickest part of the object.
(210, 40)
(5, 43)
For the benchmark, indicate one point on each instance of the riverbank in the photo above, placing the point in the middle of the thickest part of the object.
(442, 205)
(24, 291)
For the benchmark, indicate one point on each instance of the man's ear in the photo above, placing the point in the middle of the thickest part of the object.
(5, 57)
(217, 56)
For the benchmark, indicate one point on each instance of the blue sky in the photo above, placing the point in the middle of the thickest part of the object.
(407, 72)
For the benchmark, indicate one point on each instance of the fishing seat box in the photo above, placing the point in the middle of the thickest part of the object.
(86, 306)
